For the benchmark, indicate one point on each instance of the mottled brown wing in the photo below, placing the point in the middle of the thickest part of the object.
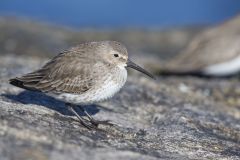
(68, 73)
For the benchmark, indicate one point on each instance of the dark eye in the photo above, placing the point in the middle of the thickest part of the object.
(115, 55)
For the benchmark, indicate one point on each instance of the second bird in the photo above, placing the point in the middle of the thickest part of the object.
(88, 73)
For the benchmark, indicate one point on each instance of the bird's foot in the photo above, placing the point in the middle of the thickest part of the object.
(98, 122)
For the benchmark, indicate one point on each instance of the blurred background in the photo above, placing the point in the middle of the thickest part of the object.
(159, 28)
(122, 14)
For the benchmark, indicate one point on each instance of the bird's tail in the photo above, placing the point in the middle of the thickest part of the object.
(16, 82)
(19, 83)
(24, 83)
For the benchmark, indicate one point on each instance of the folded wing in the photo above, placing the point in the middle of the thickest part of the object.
(64, 73)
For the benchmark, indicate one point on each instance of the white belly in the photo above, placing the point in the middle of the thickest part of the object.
(225, 68)
(106, 90)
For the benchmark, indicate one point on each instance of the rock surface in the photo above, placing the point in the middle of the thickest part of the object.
(176, 118)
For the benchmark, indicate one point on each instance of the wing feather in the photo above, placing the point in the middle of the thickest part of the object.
(67, 72)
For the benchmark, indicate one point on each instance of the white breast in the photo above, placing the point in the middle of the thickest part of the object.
(98, 93)
(225, 68)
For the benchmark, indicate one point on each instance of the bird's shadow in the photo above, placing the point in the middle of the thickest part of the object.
(37, 98)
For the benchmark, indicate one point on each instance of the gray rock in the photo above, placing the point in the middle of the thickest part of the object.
(170, 118)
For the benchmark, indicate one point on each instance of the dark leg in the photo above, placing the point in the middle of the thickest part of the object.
(83, 121)
(94, 121)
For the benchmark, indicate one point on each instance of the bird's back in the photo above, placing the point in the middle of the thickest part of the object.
(78, 74)
(71, 71)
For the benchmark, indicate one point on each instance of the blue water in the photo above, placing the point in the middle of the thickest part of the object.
(123, 13)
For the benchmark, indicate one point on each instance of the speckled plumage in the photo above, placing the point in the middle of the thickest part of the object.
(107, 87)
(79, 75)
(85, 74)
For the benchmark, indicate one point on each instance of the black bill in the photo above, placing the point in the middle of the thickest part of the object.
(138, 68)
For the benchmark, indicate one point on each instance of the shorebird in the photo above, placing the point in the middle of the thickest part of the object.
(85, 74)
(213, 52)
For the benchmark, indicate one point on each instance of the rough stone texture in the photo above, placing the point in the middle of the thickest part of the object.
(170, 118)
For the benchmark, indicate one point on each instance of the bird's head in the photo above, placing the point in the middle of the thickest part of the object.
(116, 53)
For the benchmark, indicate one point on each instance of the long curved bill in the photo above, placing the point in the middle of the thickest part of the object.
(138, 68)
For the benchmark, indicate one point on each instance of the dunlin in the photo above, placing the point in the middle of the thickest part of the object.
(214, 52)
(85, 74)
